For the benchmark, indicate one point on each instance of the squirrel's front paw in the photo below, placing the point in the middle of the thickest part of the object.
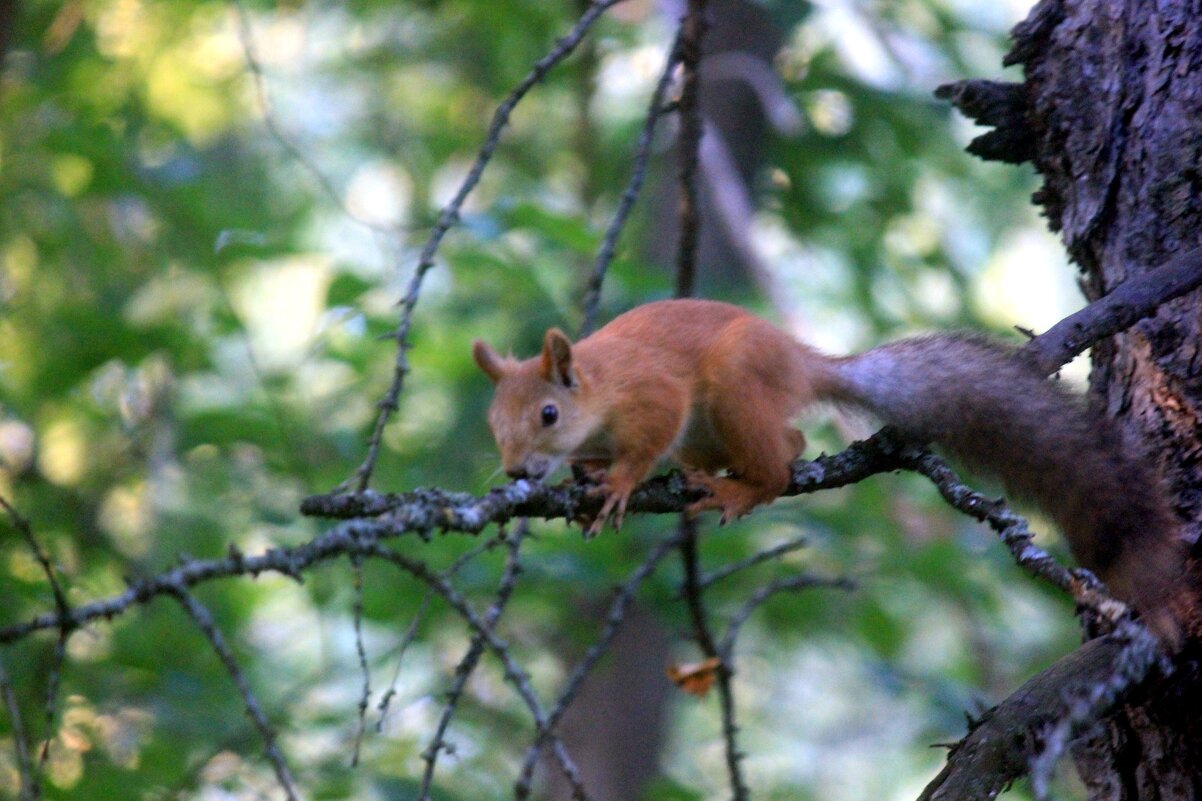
(614, 507)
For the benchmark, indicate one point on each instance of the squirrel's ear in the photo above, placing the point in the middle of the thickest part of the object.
(488, 360)
(557, 358)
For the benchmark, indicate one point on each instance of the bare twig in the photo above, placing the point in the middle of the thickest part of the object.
(26, 531)
(804, 581)
(768, 554)
(406, 640)
(54, 678)
(614, 618)
(58, 658)
(31, 789)
(361, 653)
(692, 592)
(514, 673)
(691, 129)
(204, 620)
(250, 55)
(467, 664)
(448, 217)
(411, 631)
(642, 154)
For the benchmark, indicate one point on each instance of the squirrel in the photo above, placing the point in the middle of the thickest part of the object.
(713, 387)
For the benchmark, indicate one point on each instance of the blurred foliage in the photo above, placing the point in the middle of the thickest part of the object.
(189, 343)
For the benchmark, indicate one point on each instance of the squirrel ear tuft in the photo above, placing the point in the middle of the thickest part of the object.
(488, 360)
(557, 358)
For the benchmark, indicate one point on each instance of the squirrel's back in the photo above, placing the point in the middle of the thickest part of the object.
(976, 400)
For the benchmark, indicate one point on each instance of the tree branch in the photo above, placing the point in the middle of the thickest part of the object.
(27, 773)
(1040, 718)
(692, 591)
(514, 673)
(614, 618)
(769, 554)
(605, 255)
(1118, 310)
(204, 620)
(59, 657)
(449, 216)
(691, 129)
(467, 665)
(360, 653)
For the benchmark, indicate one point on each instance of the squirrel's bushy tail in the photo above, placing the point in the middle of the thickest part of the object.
(974, 399)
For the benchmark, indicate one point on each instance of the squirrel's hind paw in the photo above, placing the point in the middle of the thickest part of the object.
(732, 496)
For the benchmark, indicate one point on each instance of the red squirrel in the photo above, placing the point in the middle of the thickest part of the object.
(713, 388)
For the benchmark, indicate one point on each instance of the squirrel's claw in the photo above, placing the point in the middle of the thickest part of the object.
(614, 507)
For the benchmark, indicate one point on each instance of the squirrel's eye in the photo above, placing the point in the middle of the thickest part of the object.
(550, 414)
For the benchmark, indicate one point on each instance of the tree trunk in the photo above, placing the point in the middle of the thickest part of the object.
(1111, 116)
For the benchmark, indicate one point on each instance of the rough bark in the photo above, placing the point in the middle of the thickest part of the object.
(1109, 114)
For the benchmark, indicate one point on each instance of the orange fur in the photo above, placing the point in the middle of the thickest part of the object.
(715, 389)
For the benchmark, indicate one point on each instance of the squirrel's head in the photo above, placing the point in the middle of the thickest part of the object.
(536, 415)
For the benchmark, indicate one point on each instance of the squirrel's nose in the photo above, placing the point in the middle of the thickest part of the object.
(517, 472)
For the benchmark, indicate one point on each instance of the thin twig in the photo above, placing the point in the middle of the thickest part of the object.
(514, 673)
(803, 581)
(204, 620)
(691, 587)
(467, 665)
(692, 592)
(31, 789)
(638, 173)
(361, 653)
(411, 632)
(26, 531)
(407, 639)
(54, 678)
(614, 618)
(447, 218)
(767, 555)
(59, 656)
(691, 129)
(262, 97)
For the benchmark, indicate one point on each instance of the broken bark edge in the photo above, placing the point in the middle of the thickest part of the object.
(1001, 105)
